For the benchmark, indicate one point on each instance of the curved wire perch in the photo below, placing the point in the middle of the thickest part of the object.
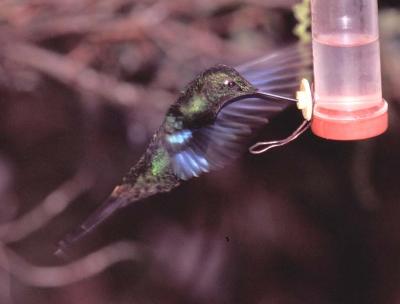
(264, 146)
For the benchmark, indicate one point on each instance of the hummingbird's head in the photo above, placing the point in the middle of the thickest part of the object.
(221, 83)
(208, 92)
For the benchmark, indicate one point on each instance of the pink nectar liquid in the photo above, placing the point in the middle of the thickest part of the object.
(347, 76)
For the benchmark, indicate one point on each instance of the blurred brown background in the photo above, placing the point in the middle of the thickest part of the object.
(83, 85)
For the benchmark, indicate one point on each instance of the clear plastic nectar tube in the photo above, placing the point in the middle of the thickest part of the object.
(347, 73)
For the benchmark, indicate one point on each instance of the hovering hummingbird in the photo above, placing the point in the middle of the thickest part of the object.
(208, 126)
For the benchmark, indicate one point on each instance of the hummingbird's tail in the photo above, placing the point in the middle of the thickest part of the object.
(111, 205)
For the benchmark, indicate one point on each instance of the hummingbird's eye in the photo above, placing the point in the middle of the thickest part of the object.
(230, 83)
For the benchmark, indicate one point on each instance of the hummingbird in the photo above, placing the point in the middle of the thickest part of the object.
(210, 124)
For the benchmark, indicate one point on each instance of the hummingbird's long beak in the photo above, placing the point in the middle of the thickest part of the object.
(269, 96)
(265, 96)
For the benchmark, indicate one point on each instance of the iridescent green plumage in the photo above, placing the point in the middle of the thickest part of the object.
(196, 106)
(206, 128)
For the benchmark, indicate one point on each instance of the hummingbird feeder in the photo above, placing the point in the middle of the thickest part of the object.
(347, 93)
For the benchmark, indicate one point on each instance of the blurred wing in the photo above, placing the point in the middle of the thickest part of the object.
(281, 72)
(196, 151)
(216, 145)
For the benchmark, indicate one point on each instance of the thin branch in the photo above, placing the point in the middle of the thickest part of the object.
(135, 26)
(57, 276)
(52, 205)
(361, 175)
(72, 73)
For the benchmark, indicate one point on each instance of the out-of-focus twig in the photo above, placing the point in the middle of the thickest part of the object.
(52, 205)
(133, 26)
(57, 276)
(100, 26)
(79, 24)
(362, 176)
(71, 72)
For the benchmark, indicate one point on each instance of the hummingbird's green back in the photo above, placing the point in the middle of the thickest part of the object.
(207, 127)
